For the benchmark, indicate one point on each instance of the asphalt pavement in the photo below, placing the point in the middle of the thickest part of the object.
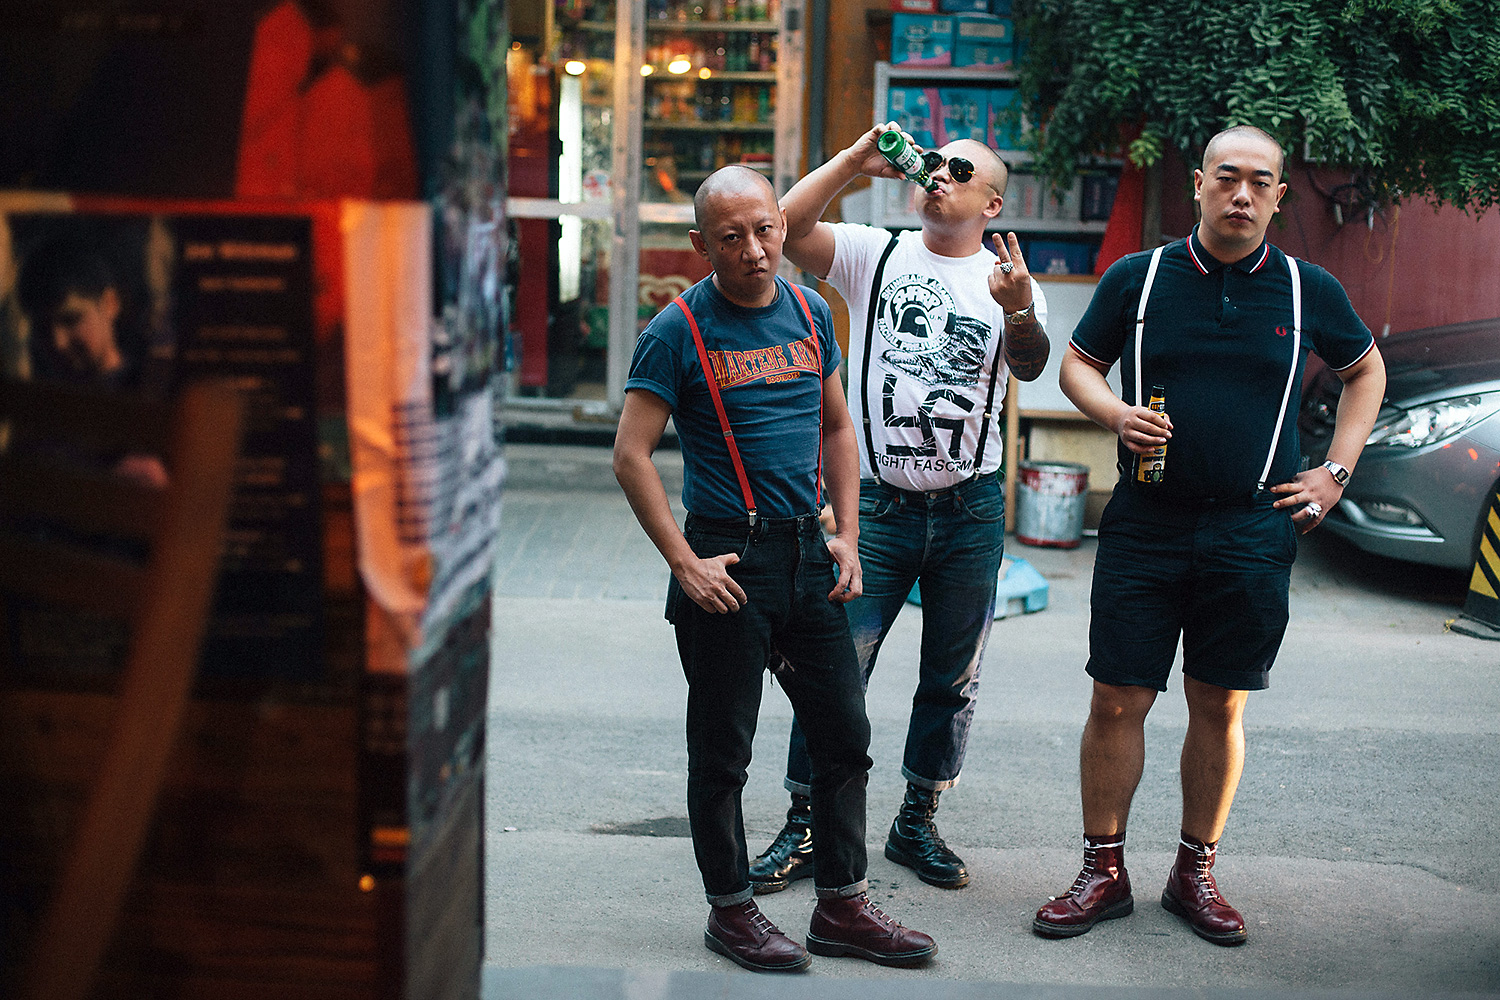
(1360, 848)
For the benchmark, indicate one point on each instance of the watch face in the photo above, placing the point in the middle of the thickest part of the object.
(1340, 474)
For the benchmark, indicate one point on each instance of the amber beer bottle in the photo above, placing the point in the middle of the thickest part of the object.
(905, 157)
(1151, 467)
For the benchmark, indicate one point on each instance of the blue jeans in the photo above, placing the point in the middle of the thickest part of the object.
(952, 541)
(786, 573)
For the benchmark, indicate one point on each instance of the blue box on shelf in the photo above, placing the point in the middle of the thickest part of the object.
(1099, 195)
(965, 114)
(918, 111)
(999, 56)
(1002, 133)
(921, 40)
(1058, 257)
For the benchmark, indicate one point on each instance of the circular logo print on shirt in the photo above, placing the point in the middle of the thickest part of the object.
(914, 311)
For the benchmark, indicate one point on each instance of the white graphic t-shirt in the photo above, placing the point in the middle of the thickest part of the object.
(936, 330)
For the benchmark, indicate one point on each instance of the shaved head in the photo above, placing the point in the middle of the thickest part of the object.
(987, 162)
(1247, 132)
(735, 179)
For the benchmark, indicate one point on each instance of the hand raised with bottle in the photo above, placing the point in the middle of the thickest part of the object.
(866, 152)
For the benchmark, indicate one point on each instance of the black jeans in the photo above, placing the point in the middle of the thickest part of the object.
(786, 573)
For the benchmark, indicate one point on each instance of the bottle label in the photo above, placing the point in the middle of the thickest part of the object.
(903, 156)
(1151, 467)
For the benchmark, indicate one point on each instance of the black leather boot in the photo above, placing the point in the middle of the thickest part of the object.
(790, 855)
(914, 842)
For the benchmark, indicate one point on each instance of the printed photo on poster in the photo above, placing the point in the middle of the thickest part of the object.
(146, 303)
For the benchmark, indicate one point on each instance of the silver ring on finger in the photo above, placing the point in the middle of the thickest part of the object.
(1315, 509)
(1006, 267)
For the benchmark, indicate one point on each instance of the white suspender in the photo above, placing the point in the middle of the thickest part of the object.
(1140, 321)
(1291, 375)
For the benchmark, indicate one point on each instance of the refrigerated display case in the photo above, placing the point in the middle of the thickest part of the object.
(644, 99)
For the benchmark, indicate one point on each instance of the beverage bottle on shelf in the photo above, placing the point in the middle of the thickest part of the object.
(714, 10)
(752, 50)
(1152, 466)
(906, 157)
(731, 10)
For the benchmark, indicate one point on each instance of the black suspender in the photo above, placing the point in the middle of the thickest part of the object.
(989, 402)
(864, 373)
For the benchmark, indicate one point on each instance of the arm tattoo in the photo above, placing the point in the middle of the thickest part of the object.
(1026, 349)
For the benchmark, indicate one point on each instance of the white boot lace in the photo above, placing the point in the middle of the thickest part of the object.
(1202, 873)
(1090, 858)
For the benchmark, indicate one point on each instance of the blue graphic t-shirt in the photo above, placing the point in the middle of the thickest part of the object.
(766, 363)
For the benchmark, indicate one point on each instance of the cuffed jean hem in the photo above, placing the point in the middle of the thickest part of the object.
(928, 783)
(845, 892)
(733, 899)
(796, 788)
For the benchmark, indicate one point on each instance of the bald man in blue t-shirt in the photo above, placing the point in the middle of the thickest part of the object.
(746, 365)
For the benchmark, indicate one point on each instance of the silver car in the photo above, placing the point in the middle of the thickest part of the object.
(1424, 483)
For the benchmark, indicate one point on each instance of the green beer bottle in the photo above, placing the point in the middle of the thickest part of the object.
(905, 157)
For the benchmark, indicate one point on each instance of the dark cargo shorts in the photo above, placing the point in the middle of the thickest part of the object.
(1215, 575)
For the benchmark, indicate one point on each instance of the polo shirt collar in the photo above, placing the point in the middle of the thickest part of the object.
(1207, 263)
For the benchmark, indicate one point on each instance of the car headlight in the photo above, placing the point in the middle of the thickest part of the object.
(1430, 423)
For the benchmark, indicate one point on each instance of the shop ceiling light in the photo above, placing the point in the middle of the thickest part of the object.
(679, 65)
(705, 73)
(574, 67)
(647, 69)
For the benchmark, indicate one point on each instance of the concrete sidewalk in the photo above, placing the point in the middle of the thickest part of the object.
(1359, 848)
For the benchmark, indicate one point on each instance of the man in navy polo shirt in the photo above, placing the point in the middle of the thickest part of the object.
(751, 572)
(1220, 322)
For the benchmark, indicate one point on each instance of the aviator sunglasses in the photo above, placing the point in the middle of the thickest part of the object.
(960, 169)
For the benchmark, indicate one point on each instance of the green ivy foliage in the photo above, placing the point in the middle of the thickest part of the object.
(1403, 93)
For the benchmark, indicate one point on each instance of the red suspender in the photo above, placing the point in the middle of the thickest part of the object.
(817, 347)
(713, 391)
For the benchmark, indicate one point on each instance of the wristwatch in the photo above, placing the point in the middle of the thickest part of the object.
(1020, 315)
(1340, 474)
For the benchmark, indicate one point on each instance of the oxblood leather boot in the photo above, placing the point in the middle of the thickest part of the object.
(745, 936)
(914, 842)
(853, 925)
(1192, 894)
(790, 855)
(1100, 892)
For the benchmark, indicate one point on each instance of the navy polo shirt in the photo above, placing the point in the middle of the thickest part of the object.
(1218, 338)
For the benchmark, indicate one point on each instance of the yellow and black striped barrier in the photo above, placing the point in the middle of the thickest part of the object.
(1481, 614)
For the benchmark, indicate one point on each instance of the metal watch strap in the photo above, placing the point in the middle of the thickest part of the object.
(1339, 473)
